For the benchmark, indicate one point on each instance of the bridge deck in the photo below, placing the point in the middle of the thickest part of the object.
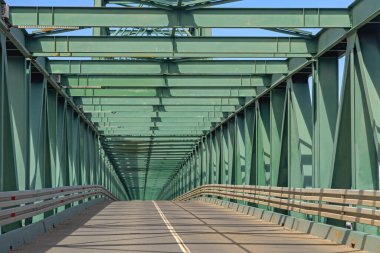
(139, 227)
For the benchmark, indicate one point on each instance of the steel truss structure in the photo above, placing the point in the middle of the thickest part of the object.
(151, 114)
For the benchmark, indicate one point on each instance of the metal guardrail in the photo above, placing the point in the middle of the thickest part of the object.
(18, 205)
(361, 206)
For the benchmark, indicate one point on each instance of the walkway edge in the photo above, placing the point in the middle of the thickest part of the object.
(17, 238)
(341, 236)
(178, 239)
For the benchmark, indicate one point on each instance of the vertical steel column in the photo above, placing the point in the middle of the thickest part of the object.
(358, 144)
(249, 128)
(300, 129)
(38, 150)
(9, 166)
(198, 176)
(204, 162)
(18, 98)
(99, 31)
(219, 155)
(277, 117)
(51, 116)
(231, 151)
(224, 149)
(3, 105)
(215, 158)
(61, 148)
(240, 157)
(325, 110)
(262, 142)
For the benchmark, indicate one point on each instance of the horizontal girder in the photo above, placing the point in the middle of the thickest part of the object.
(220, 81)
(146, 108)
(184, 125)
(79, 17)
(189, 67)
(165, 128)
(164, 92)
(158, 114)
(163, 101)
(137, 140)
(156, 119)
(148, 47)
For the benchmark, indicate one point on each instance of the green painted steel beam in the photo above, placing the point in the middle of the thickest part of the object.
(158, 114)
(170, 108)
(115, 144)
(136, 170)
(174, 148)
(163, 158)
(148, 145)
(133, 155)
(133, 158)
(148, 47)
(162, 149)
(153, 132)
(122, 156)
(164, 92)
(185, 81)
(127, 156)
(152, 124)
(190, 67)
(164, 166)
(172, 128)
(151, 135)
(163, 101)
(156, 119)
(142, 140)
(79, 17)
(156, 147)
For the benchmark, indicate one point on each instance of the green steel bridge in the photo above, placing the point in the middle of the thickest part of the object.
(132, 126)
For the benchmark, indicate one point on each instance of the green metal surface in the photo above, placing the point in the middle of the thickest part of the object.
(183, 81)
(167, 67)
(150, 17)
(156, 112)
(148, 47)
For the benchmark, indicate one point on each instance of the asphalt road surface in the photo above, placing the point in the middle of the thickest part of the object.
(160, 227)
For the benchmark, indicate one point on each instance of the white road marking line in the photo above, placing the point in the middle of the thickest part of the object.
(178, 239)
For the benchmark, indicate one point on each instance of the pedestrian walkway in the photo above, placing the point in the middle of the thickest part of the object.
(146, 226)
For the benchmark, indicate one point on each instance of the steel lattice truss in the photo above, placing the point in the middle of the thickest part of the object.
(175, 107)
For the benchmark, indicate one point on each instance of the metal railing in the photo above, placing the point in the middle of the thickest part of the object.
(18, 205)
(359, 206)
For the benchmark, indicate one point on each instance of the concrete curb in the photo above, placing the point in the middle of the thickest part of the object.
(352, 239)
(18, 237)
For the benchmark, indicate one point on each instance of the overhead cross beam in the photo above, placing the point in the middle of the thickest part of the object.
(164, 92)
(163, 81)
(158, 114)
(189, 67)
(151, 108)
(79, 17)
(164, 101)
(149, 47)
